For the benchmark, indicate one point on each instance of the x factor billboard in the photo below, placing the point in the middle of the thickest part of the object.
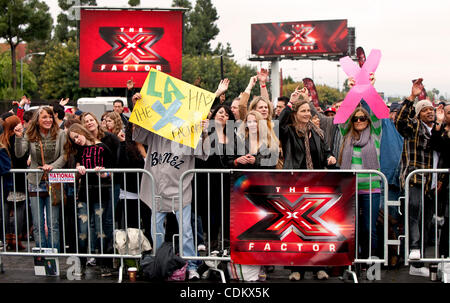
(118, 45)
(299, 219)
(297, 38)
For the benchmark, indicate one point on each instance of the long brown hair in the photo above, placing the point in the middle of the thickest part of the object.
(8, 130)
(33, 132)
(117, 122)
(350, 131)
(100, 132)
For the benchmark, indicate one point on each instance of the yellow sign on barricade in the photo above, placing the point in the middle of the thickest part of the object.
(172, 108)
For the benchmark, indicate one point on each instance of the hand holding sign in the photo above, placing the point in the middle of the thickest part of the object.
(363, 88)
(172, 108)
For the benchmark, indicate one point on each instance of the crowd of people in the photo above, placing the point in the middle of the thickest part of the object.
(289, 133)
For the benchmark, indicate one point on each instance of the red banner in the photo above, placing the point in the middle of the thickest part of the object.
(116, 46)
(296, 38)
(299, 219)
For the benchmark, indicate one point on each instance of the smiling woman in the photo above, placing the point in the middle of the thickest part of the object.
(44, 140)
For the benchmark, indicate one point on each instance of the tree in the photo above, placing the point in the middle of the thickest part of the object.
(134, 2)
(6, 90)
(199, 26)
(23, 20)
(204, 72)
(60, 74)
(66, 27)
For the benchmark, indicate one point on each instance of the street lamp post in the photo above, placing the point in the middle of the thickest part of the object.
(21, 66)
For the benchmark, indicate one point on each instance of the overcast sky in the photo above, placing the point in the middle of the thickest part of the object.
(413, 36)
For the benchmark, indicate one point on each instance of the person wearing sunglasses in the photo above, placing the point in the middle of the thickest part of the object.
(360, 150)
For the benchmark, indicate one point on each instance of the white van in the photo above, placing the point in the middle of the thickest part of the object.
(99, 105)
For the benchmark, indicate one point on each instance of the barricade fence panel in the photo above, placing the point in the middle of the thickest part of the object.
(99, 214)
(427, 216)
(210, 216)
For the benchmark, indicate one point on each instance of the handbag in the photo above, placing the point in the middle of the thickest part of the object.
(54, 189)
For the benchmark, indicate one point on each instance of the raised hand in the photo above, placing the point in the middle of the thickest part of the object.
(136, 96)
(63, 101)
(18, 130)
(440, 114)
(417, 88)
(223, 86)
(263, 76)
(130, 84)
(295, 95)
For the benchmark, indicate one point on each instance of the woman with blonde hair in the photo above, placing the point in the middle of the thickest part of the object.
(261, 147)
(44, 141)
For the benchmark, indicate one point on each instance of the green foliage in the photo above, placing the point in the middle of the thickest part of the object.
(199, 27)
(66, 28)
(6, 90)
(20, 21)
(60, 74)
(134, 2)
(204, 72)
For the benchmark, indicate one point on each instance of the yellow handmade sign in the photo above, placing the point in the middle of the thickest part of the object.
(172, 108)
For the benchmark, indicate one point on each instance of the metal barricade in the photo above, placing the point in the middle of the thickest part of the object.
(215, 258)
(430, 219)
(108, 203)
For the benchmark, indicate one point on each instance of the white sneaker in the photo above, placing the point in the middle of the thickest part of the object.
(91, 262)
(213, 263)
(322, 275)
(419, 271)
(193, 275)
(414, 254)
(201, 247)
(295, 276)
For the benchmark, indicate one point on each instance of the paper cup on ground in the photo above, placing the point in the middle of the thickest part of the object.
(132, 273)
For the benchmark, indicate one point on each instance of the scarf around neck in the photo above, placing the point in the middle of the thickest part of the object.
(368, 151)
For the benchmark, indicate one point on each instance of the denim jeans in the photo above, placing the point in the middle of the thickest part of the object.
(188, 238)
(108, 222)
(415, 217)
(52, 214)
(366, 228)
(93, 221)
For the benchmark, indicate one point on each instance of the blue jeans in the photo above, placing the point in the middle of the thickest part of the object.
(94, 223)
(188, 237)
(108, 222)
(364, 222)
(52, 214)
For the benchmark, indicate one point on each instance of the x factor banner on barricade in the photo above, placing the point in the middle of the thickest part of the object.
(172, 108)
(295, 219)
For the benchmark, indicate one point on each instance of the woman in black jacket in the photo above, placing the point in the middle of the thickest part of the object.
(304, 147)
(223, 154)
(302, 141)
(137, 214)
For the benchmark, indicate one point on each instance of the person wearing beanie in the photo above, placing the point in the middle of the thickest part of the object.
(414, 122)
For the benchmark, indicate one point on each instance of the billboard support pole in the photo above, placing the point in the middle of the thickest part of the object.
(275, 79)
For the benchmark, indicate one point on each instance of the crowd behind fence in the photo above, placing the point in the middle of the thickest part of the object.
(217, 248)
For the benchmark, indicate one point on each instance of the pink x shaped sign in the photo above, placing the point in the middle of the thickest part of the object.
(362, 89)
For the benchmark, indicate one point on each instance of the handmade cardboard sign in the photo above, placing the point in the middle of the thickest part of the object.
(172, 108)
(362, 89)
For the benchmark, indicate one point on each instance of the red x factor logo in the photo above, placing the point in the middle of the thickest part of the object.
(302, 217)
(131, 50)
(298, 37)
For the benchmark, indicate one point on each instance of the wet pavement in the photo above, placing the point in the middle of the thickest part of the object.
(20, 269)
